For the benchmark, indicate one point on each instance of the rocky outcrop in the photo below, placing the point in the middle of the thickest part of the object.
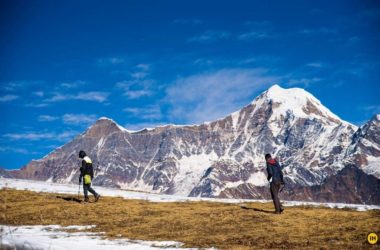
(364, 150)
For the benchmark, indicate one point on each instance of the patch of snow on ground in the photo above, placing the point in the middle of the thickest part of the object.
(54, 237)
(357, 207)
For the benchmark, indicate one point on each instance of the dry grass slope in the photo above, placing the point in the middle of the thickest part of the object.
(197, 224)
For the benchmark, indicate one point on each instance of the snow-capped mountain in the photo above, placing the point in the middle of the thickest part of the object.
(225, 158)
(364, 150)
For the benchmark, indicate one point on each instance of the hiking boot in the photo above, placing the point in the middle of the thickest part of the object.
(281, 210)
(86, 199)
(97, 198)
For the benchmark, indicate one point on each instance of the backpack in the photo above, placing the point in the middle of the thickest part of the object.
(87, 177)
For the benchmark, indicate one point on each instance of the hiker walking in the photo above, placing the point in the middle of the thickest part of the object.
(276, 179)
(87, 174)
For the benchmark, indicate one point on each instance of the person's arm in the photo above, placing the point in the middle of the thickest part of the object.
(270, 172)
(92, 172)
(82, 170)
(80, 175)
(280, 166)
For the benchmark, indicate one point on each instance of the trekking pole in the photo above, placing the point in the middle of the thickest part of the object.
(78, 190)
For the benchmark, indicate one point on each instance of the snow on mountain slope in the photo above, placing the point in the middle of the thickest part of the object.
(219, 158)
(289, 123)
(190, 171)
(365, 147)
(299, 102)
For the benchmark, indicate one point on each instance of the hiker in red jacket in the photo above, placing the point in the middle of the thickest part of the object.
(276, 179)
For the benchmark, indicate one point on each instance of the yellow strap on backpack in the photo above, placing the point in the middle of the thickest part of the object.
(87, 179)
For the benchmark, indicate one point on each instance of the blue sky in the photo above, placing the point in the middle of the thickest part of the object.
(64, 64)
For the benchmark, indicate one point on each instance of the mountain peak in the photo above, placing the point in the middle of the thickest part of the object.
(375, 120)
(106, 119)
(275, 88)
(278, 93)
(103, 126)
(298, 101)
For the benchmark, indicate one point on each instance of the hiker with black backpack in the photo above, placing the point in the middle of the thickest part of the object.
(276, 180)
(87, 174)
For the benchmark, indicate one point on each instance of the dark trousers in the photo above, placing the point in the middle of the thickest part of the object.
(87, 188)
(274, 188)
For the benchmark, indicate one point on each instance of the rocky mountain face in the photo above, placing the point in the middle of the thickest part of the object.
(4, 173)
(325, 158)
(364, 150)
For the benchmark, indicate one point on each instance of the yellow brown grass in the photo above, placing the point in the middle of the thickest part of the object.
(197, 224)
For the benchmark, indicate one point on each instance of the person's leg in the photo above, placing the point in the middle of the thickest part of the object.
(272, 194)
(277, 200)
(91, 190)
(85, 191)
(274, 188)
(96, 195)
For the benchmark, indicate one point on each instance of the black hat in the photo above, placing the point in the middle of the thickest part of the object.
(82, 154)
(267, 156)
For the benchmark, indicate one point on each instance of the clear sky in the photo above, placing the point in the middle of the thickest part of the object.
(64, 64)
